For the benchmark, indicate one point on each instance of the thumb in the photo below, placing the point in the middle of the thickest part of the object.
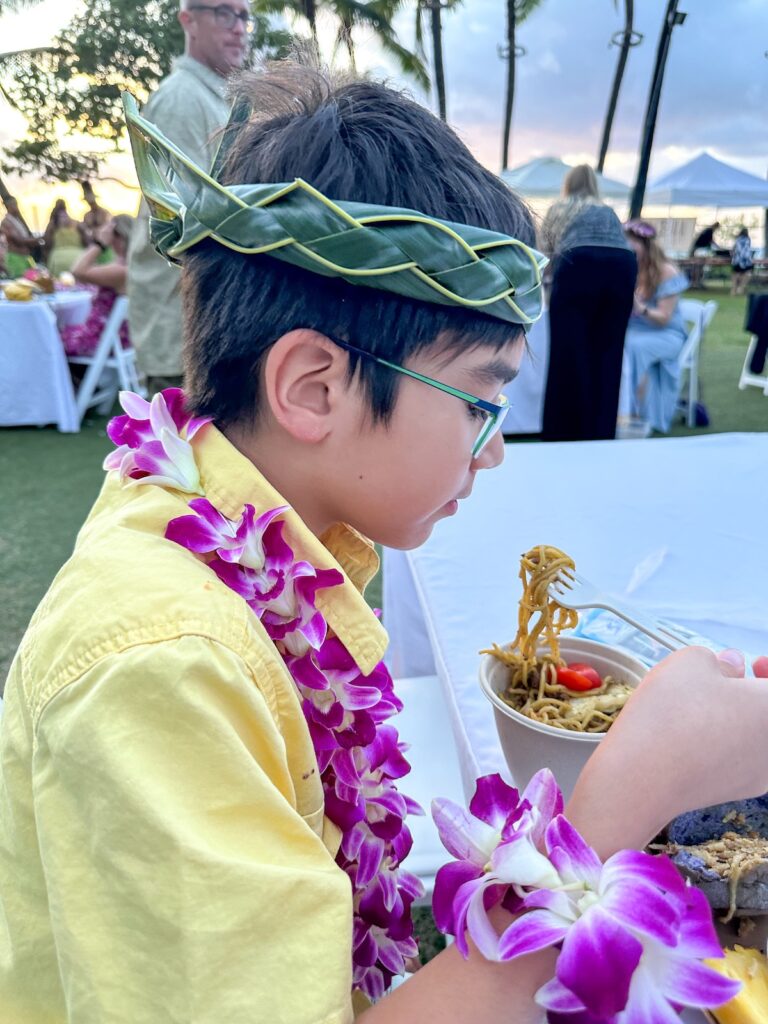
(732, 662)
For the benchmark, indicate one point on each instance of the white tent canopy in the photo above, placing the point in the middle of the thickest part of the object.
(705, 181)
(543, 178)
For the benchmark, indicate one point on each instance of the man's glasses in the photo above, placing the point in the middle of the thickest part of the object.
(225, 16)
(494, 414)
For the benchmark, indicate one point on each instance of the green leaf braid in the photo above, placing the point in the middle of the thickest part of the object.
(392, 249)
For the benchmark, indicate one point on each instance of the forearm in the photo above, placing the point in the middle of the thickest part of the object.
(86, 261)
(455, 991)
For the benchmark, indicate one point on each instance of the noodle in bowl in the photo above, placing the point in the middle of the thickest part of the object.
(529, 745)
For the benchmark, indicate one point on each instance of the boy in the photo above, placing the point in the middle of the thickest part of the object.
(166, 853)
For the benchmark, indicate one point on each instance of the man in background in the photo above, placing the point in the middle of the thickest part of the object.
(705, 239)
(189, 107)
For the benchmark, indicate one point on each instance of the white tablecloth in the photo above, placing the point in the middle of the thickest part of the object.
(71, 307)
(526, 391)
(35, 384)
(693, 507)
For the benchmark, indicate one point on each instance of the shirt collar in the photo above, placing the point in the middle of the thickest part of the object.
(230, 481)
(216, 83)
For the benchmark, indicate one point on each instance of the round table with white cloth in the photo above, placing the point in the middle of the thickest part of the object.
(35, 383)
(71, 307)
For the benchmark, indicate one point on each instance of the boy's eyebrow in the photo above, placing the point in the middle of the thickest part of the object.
(495, 371)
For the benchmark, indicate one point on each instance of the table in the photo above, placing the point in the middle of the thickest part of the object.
(35, 384)
(526, 391)
(685, 513)
(70, 307)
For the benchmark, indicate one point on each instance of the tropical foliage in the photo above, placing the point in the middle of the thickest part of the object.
(109, 46)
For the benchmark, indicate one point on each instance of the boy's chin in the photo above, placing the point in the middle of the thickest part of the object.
(411, 536)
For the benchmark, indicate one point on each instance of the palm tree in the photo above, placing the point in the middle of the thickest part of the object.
(435, 8)
(13, 6)
(517, 12)
(625, 39)
(672, 18)
(377, 15)
(374, 14)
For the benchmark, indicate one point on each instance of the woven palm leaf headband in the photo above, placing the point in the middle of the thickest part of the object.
(394, 250)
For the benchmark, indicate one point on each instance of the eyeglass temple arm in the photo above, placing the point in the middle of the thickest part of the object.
(481, 403)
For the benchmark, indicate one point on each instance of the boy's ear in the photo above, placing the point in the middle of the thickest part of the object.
(305, 383)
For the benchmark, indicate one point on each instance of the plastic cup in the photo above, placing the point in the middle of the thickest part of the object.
(528, 745)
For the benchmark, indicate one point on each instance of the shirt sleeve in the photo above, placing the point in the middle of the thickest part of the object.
(673, 286)
(183, 884)
(188, 121)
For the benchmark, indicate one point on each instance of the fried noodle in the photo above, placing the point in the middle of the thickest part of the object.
(534, 657)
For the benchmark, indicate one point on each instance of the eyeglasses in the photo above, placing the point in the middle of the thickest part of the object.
(225, 16)
(494, 414)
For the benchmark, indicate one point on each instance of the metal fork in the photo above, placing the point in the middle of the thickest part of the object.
(572, 591)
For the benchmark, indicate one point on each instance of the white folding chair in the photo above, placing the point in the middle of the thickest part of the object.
(110, 367)
(699, 315)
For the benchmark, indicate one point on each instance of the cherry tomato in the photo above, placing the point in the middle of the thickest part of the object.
(575, 681)
(588, 671)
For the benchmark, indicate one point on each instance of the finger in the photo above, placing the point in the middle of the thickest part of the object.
(760, 667)
(732, 662)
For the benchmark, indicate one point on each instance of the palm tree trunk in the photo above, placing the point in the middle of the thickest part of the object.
(436, 26)
(4, 193)
(626, 44)
(511, 26)
(671, 19)
(310, 13)
(345, 34)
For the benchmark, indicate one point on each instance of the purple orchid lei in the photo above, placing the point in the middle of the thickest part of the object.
(631, 933)
(360, 757)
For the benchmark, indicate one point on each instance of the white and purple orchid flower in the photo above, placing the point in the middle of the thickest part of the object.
(631, 932)
(359, 757)
(153, 441)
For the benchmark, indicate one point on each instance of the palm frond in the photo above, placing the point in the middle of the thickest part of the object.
(14, 6)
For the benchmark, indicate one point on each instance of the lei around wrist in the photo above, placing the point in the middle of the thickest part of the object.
(359, 754)
(631, 934)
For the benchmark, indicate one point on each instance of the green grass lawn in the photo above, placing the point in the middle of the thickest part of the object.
(50, 479)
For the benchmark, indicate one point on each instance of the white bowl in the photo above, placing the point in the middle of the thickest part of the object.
(529, 745)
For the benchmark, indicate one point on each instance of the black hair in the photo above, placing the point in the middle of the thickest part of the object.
(358, 141)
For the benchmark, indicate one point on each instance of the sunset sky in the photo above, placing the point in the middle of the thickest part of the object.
(715, 92)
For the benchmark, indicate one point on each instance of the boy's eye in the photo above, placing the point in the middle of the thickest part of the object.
(475, 413)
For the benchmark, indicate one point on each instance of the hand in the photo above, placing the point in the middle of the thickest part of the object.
(693, 734)
(105, 233)
(639, 307)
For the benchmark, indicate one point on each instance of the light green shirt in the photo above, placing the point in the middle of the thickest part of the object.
(189, 107)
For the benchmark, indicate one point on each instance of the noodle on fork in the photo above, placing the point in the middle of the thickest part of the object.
(534, 656)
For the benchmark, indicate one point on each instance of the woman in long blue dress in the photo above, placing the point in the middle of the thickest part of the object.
(656, 331)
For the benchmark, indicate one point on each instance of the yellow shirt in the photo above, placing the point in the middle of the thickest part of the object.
(164, 856)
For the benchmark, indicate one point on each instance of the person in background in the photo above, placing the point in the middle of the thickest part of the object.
(96, 217)
(63, 240)
(189, 107)
(23, 246)
(656, 332)
(3, 254)
(593, 281)
(741, 262)
(705, 239)
(109, 280)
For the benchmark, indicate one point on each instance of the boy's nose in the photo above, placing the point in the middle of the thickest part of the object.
(493, 454)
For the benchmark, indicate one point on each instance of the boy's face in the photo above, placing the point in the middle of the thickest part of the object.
(401, 478)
